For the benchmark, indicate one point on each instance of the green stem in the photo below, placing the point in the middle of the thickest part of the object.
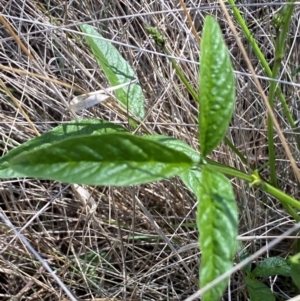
(282, 28)
(230, 171)
(287, 201)
(180, 74)
(238, 153)
(271, 146)
(264, 63)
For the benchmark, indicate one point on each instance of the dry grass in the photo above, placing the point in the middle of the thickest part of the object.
(123, 244)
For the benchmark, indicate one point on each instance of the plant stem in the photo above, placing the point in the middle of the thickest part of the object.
(282, 27)
(230, 171)
(287, 201)
(264, 64)
(180, 74)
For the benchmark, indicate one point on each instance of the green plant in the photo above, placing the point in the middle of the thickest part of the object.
(97, 152)
(268, 267)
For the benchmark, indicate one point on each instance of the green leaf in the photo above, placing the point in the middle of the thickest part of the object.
(242, 253)
(295, 269)
(217, 220)
(177, 145)
(110, 159)
(272, 266)
(258, 291)
(191, 179)
(117, 71)
(64, 131)
(216, 87)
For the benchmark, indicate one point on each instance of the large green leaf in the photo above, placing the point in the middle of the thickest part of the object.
(216, 87)
(217, 220)
(72, 129)
(176, 144)
(258, 291)
(117, 71)
(189, 177)
(272, 266)
(110, 159)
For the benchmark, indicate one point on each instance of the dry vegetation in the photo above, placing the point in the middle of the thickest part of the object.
(134, 243)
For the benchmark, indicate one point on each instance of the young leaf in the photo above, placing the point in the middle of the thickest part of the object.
(109, 159)
(64, 131)
(117, 71)
(156, 35)
(217, 220)
(272, 266)
(216, 87)
(191, 180)
(258, 291)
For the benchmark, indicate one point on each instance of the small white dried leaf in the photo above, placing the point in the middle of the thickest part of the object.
(88, 100)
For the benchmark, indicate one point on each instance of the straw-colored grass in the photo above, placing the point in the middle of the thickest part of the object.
(135, 243)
